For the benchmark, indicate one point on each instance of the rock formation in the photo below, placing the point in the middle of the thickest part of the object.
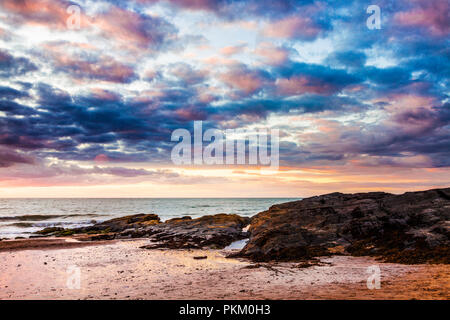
(213, 231)
(411, 228)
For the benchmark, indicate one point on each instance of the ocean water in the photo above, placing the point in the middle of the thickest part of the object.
(22, 217)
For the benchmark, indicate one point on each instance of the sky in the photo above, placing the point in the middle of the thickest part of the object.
(88, 109)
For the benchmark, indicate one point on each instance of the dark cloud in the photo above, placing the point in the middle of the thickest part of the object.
(10, 157)
(41, 120)
(350, 59)
(96, 68)
(11, 93)
(11, 66)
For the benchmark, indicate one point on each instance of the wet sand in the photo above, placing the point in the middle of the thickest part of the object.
(47, 243)
(121, 270)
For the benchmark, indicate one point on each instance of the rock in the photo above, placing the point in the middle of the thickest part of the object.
(112, 226)
(50, 230)
(200, 258)
(213, 231)
(411, 228)
(127, 222)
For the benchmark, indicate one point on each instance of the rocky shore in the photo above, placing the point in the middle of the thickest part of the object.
(410, 228)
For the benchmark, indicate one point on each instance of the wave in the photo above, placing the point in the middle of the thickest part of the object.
(202, 206)
(40, 217)
(44, 225)
(19, 225)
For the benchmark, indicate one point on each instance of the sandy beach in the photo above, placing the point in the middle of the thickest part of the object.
(33, 269)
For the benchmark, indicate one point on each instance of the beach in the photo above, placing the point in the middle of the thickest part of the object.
(334, 246)
(121, 269)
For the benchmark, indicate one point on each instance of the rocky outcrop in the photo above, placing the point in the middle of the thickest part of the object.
(214, 231)
(411, 228)
(109, 228)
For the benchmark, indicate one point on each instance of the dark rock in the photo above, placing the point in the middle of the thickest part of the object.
(409, 228)
(122, 223)
(213, 231)
(116, 225)
(50, 230)
(200, 258)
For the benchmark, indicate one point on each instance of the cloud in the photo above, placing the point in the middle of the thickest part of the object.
(300, 78)
(294, 27)
(232, 50)
(236, 9)
(9, 157)
(187, 74)
(52, 13)
(10, 93)
(96, 67)
(11, 66)
(272, 54)
(430, 15)
(245, 80)
(208, 5)
(130, 30)
(351, 59)
(135, 31)
(113, 91)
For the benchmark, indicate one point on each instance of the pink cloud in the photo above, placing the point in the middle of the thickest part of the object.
(207, 94)
(219, 61)
(294, 27)
(102, 68)
(232, 50)
(302, 84)
(244, 80)
(190, 114)
(83, 61)
(432, 15)
(101, 158)
(272, 55)
(9, 157)
(188, 4)
(104, 94)
(41, 12)
(132, 30)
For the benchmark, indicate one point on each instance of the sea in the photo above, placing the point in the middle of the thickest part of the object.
(23, 217)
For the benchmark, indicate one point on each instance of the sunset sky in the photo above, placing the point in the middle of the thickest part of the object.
(89, 111)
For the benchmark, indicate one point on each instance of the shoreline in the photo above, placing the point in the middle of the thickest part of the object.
(47, 243)
(325, 247)
(121, 270)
